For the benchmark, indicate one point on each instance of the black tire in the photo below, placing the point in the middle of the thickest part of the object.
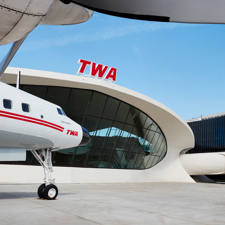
(50, 192)
(41, 190)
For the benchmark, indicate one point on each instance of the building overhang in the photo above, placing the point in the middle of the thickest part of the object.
(178, 134)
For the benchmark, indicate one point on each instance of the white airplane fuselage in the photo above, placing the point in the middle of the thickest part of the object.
(42, 127)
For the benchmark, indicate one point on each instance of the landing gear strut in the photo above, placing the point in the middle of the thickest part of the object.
(46, 190)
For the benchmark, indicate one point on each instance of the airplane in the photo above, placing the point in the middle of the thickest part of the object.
(29, 123)
(179, 11)
(32, 124)
(19, 17)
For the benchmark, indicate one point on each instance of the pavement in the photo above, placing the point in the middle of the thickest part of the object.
(90, 204)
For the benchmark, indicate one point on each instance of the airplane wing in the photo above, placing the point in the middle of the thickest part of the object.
(183, 11)
(5, 62)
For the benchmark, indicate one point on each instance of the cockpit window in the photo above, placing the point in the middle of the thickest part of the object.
(7, 103)
(59, 111)
(25, 107)
(63, 112)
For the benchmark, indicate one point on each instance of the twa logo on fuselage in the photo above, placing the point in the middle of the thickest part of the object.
(97, 70)
(72, 132)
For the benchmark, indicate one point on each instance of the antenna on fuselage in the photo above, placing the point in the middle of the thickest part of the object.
(5, 62)
(18, 80)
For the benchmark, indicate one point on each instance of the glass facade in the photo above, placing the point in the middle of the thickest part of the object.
(123, 137)
(209, 135)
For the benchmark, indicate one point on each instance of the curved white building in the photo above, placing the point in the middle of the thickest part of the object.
(134, 138)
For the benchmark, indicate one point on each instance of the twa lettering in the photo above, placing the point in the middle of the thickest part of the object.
(97, 70)
(71, 132)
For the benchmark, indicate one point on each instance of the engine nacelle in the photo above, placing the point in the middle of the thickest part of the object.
(62, 14)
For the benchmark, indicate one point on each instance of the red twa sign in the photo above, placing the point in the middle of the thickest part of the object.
(97, 70)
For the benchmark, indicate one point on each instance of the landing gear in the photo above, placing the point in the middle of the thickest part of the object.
(50, 192)
(41, 190)
(46, 190)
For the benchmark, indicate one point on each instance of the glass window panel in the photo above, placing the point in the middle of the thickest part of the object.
(160, 150)
(115, 159)
(162, 155)
(120, 142)
(141, 119)
(155, 161)
(131, 160)
(90, 123)
(104, 125)
(145, 161)
(132, 116)
(80, 156)
(64, 157)
(128, 128)
(159, 142)
(138, 130)
(77, 118)
(30, 159)
(97, 104)
(139, 162)
(147, 148)
(122, 112)
(39, 91)
(118, 125)
(110, 142)
(148, 123)
(93, 157)
(123, 161)
(154, 127)
(155, 138)
(114, 132)
(78, 102)
(149, 136)
(110, 108)
(105, 158)
(97, 141)
(150, 161)
(61, 93)
(132, 144)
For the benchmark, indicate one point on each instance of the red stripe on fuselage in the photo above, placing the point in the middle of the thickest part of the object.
(31, 120)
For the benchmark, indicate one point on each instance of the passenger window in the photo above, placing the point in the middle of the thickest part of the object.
(25, 107)
(59, 111)
(7, 104)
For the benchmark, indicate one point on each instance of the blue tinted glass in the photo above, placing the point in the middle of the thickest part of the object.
(7, 104)
(122, 136)
(25, 107)
(63, 112)
(59, 111)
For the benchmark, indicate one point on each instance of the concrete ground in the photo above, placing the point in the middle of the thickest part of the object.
(143, 203)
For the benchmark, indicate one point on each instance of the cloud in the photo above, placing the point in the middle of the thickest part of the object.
(137, 51)
(100, 35)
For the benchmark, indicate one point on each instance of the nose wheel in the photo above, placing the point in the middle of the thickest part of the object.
(46, 190)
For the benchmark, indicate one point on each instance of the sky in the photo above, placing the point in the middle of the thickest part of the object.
(180, 65)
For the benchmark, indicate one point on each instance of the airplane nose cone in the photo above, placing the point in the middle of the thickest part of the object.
(86, 137)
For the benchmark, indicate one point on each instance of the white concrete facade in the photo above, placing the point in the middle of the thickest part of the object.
(204, 163)
(178, 135)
